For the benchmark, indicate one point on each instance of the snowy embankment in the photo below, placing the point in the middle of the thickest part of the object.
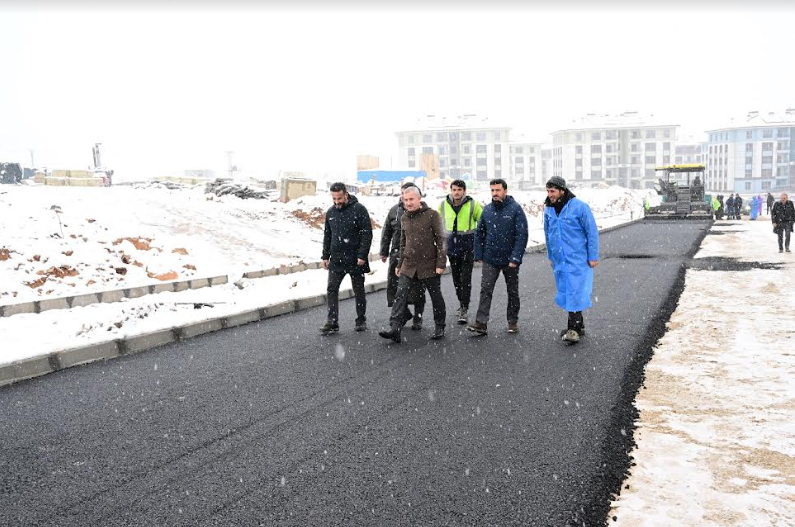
(716, 436)
(122, 237)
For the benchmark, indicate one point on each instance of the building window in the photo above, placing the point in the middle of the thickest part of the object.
(498, 136)
(782, 145)
(480, 136)
(578, 137)
(453, 162)
(453, 149)
(411, 152)
(411, 163)
(497, 173)
(650, 134)
(747, 185)
(442, 162)
(666, 160)
(531, 150)
(634, 160)
(783, 132)
(596, 161)
(635, 172)
(634, 147)
(596, 174)
(596, 136)
(666, 146)
(767, 172)
(609, 148)
(749, 147)
(767, 132)
(749, 172)
(497, 149)
(635, 134)
(578, 149)
(518, 160)
(519, 170)
(767, 147)
(649, 172)
(481, 161)
(596, 149)
(427, 150)
(453, 136)
(442, 150)
(482, 175)
(480, 149)
(749, 134)
(518, 150)
(467, 162)
(578, 162)
(667, 133)
(766, 185)
(611, 134)
(678, 160)
(651, 147)
(441, 136)
(427, 138)
(466, 149)
(650, 160)
(466, 136)
(411, 139)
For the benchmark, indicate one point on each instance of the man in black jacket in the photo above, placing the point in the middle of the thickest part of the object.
(770, 202)
(390, 247)
(783, 217)
(738, 207)
(347, 236)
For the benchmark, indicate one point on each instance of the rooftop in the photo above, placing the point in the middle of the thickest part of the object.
(431, 123)
(759, 119)
(623, 120)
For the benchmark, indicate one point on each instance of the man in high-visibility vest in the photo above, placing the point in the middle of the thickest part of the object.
(460, 214)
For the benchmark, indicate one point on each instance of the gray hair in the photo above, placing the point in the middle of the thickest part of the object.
(413, 189)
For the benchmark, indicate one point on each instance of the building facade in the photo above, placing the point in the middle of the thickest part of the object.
(615, 150)
(525, 162)
(755, 156)
(465, 146)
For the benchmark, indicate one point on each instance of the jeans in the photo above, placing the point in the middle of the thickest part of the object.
(416, 294)
(488, 280)
(405, 285)
(784, 234)
(462, 276)
(333, 294)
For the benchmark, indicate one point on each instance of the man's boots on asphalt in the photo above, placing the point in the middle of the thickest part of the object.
(360, 326)
(393, 334)
(513, 327)
(571, 336)
(329, 327)
(463, 314)
(416, 325)
(438, 333)
(478, 327)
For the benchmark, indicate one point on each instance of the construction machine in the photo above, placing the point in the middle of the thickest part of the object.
(682, 191)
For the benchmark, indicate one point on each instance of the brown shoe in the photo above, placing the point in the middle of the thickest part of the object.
(513, 327)
(479, 328)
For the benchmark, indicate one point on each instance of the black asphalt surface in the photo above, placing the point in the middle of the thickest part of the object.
(272, 424)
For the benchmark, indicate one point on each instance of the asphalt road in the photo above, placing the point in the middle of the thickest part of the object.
(271, 423)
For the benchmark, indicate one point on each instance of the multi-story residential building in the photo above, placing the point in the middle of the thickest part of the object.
(689, 154)
(617, 150)
(757, 155)
(467, 145)
(546, 164)
(525, 162)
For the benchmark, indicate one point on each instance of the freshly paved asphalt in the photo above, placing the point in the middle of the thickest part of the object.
(272, 424)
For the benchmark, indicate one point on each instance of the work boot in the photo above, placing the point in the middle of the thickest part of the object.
(329, 327)
(463, 314)
(406, 317)
(416, 325)
(571, 336)
(787, 250)
(438, 333)
(478, 327)
(360, 326)
(393, 334)
(513, 327)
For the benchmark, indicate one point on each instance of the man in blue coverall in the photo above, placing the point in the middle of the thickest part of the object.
(573, 249)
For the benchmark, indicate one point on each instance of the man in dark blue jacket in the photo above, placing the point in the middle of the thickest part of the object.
(500, 241)
(347, 236)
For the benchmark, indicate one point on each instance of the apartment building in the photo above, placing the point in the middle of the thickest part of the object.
(617, 150)
(467, 146)
(525, 162)
(755, 154)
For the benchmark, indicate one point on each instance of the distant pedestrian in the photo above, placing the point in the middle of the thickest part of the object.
(738, 207)
(390, 247)
(722, 208)
(347, 236)
(770, 202)
(573, 249)
(783, 216)
(715, 206)
(422, 260)
(730, 207)
(460, 214)
(500, 242)
(755, 205)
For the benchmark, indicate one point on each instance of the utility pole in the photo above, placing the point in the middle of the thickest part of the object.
(229, 164)
(32, 164)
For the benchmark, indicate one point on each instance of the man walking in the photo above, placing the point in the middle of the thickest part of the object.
(738, 207)
(730, 207)
(421, 261)
(783, 217)
(347, 236)
(390, 246)
(461, 214)
(500, 241)
(770, 202)
(573, 249)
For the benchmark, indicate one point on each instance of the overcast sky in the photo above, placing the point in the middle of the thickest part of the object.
(308, 89)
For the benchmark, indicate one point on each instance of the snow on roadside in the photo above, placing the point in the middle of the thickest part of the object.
(100, 239)
(716, 436)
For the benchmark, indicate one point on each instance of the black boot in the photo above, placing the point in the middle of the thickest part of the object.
(329, 327)
(393, 334)
(438, 333)
(416, 325)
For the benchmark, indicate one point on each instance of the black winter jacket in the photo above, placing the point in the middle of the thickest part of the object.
(347, 237)
(783, 214)
(390, 235)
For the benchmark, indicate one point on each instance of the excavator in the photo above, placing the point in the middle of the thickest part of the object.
(682, 196)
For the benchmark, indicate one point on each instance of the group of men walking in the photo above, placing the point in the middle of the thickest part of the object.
(734, 207)
(418, 240)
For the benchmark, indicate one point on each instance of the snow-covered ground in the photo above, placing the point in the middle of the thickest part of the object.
(220, 236)
(716, 437)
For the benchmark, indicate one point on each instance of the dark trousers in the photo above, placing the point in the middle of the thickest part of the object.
(416, 294)
(769, 209)
(784, 234)
(333, 294)
(405, 285)
(488, 280)
(576, 322)
(461, 267)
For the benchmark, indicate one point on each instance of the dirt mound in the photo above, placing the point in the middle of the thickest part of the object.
(5, 254)
(142, 244)
(315, 218)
